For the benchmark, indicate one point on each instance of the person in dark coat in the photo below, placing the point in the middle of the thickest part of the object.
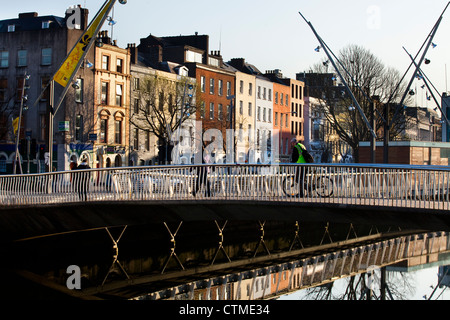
(202, 175)
(83, 180)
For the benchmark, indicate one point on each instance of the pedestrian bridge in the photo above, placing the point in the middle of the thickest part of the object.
(64, 201)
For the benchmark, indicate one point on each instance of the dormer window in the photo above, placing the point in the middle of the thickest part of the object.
(11, 28)
(45, 24)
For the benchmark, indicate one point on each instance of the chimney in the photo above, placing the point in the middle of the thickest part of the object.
(104, 37)
(27, 15)
(134, 53)
(84, 17)
(238, 63)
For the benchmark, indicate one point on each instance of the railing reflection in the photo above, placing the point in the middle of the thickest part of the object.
(271, 282)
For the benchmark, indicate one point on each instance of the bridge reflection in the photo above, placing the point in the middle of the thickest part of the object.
(224, 260)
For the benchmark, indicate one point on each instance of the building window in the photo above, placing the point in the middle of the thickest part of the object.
(211, 110)
(118, 132)
(241, 86)
(42, 126)
(228, 88)
(44, 86)
(4, 59)
(22, 58)
(281, 120)
(79, 127)
(161, 101)
(136, 106)
(276, 97)
(192, 56)
(250, 89)
(270, 94)
(136, 139)
(119, 93)
(276, 119)
(211, 86)
(136, 83)
(259, 92)
(264, 114)
(241, 107)
(105, 93)
(220, 87)
(250, 106)
(220, 111)
(202, 110)
(104, 131)
(45, 24)
(3, 89)
(119, 66)
(147, 141)
(105, 62)
(19, 86)
(46, 58)
(79, 91)
(203, 83)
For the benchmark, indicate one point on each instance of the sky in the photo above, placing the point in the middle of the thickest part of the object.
(273, 35)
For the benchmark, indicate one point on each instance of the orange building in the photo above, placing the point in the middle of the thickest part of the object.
(282, 119)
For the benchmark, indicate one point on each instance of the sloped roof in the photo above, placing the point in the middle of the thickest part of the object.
(32, 23)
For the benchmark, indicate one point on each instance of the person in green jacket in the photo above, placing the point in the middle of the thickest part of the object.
(297, 157)
(297, 150)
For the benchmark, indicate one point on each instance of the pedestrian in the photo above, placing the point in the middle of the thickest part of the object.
(300, 156)
(202, 174)
(83, 180)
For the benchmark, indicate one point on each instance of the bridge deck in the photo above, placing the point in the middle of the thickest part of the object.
(398, 194)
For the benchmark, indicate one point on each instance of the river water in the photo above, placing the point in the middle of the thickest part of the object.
(38, 268)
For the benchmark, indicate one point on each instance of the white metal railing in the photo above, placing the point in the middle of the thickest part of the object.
(372, 185)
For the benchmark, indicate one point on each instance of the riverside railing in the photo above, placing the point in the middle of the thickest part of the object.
(372, 185)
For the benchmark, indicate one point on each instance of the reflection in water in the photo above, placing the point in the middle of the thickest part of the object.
(426, 283)
(227, 260)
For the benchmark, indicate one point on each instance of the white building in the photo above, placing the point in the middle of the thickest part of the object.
(264, 121)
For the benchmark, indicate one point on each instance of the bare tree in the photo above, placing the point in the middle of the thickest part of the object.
(162, 105)
(370, 81)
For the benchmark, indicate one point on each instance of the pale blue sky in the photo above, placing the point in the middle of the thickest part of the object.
(272, 35)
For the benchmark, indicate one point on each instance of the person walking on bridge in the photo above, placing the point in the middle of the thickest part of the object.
(83, 180)
(300, 155)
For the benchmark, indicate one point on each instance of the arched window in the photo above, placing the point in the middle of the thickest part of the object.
(118, 127)
(118, 161)
(104, 117)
